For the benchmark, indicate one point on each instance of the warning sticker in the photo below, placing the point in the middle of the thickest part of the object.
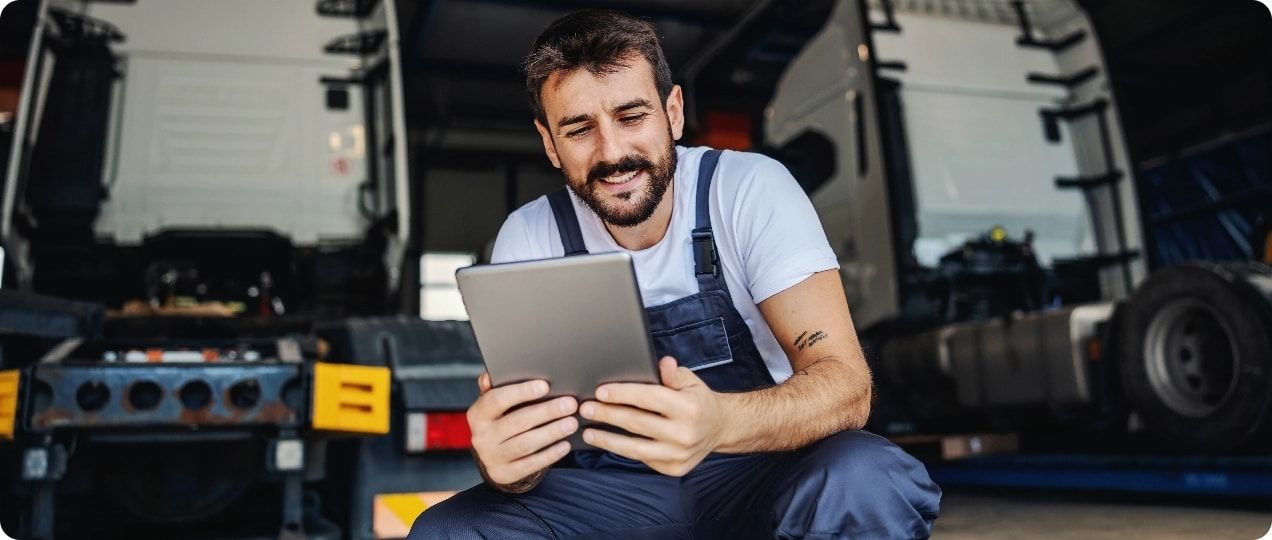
(394, 513)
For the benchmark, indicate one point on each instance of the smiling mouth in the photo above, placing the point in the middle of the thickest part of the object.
(620, 180)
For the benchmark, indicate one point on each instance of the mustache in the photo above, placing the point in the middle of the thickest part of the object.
(627, 164)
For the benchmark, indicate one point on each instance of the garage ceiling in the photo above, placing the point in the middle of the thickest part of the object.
(465, 90)
(462, 56)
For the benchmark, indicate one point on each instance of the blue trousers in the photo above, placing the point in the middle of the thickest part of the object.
(850, 485)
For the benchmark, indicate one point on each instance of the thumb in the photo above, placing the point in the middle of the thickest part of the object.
(674, 376)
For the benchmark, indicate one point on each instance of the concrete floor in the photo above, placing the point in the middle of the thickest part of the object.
(1030, 515)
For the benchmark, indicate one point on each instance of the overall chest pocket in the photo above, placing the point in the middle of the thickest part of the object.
(697, 345)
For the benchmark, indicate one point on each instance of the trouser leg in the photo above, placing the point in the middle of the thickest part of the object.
(850, 485)
(569, 503)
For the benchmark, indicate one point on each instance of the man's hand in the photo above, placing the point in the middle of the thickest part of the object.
(682, 420)
(512, 446)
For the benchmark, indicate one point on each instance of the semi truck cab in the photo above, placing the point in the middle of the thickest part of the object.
(993, 234)
(211, 279)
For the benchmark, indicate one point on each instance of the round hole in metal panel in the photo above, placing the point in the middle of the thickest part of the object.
(144, 395)
(245, 394)
(195, 395)
(91, 396)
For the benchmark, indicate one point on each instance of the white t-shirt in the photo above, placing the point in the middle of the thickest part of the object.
(767, 235)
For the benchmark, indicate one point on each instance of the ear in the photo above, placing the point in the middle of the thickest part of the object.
(549, 147)
(675, 108)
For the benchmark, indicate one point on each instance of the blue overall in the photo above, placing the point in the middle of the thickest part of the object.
(849, 485)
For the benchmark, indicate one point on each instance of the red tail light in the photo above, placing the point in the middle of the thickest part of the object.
(426, 432)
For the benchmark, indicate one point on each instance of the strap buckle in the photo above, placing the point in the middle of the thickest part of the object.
(704, 252)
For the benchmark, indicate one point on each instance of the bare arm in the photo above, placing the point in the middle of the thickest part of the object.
(683, 420)
(830, 390)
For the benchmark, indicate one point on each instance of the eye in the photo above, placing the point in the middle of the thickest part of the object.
(633, 119)
(573, 134)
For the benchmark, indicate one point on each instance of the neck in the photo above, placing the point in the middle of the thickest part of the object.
(649, 232)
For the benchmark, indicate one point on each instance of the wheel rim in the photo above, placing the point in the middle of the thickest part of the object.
(1191, 358)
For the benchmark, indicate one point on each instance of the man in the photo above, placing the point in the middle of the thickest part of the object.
(753, 432)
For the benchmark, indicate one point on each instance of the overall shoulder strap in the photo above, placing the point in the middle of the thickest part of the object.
(567, 222)
(706, 261)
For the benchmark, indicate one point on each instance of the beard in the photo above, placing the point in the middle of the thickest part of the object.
(634, 206)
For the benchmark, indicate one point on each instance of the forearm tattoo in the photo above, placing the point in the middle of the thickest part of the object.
(807, 340)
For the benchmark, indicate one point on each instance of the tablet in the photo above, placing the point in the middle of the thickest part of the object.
(576, 322)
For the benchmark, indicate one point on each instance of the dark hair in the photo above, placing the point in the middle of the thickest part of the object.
(601, 41)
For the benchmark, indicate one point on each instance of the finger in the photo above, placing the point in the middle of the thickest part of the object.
(497, 401)
(527, 418)
(483, 382)
(635, 420)
(538, 461)
(676, 377)
(650, 397)
(627, 446)
(667, 371)
(532, 441)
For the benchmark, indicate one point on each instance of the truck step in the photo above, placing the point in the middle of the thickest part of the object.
(1055, 46)
(357, 44)
(889, 23)
(1026, 38)
(346, 8)
(1090, 181)
(1069, 81)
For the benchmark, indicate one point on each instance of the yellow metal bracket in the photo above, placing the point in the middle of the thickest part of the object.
(9, 380)
(350, 398)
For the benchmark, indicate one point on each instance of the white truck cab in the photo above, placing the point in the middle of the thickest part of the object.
(986, 217)
(184, 117)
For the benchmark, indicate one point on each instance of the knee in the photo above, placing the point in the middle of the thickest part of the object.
(864, 481)
(476, 513)
(861, 459)
(443, 520)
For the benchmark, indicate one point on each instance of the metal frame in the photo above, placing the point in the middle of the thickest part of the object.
(106, 396)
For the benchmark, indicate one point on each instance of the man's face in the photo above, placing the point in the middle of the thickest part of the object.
(613, 139)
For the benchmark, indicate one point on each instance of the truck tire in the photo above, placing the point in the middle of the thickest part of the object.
(1196, 354)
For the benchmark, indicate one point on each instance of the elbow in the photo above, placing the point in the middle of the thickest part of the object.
(861, 400)
(860, 410)
(857, 410)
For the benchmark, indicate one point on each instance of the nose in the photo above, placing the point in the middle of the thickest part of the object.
(610, 146)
